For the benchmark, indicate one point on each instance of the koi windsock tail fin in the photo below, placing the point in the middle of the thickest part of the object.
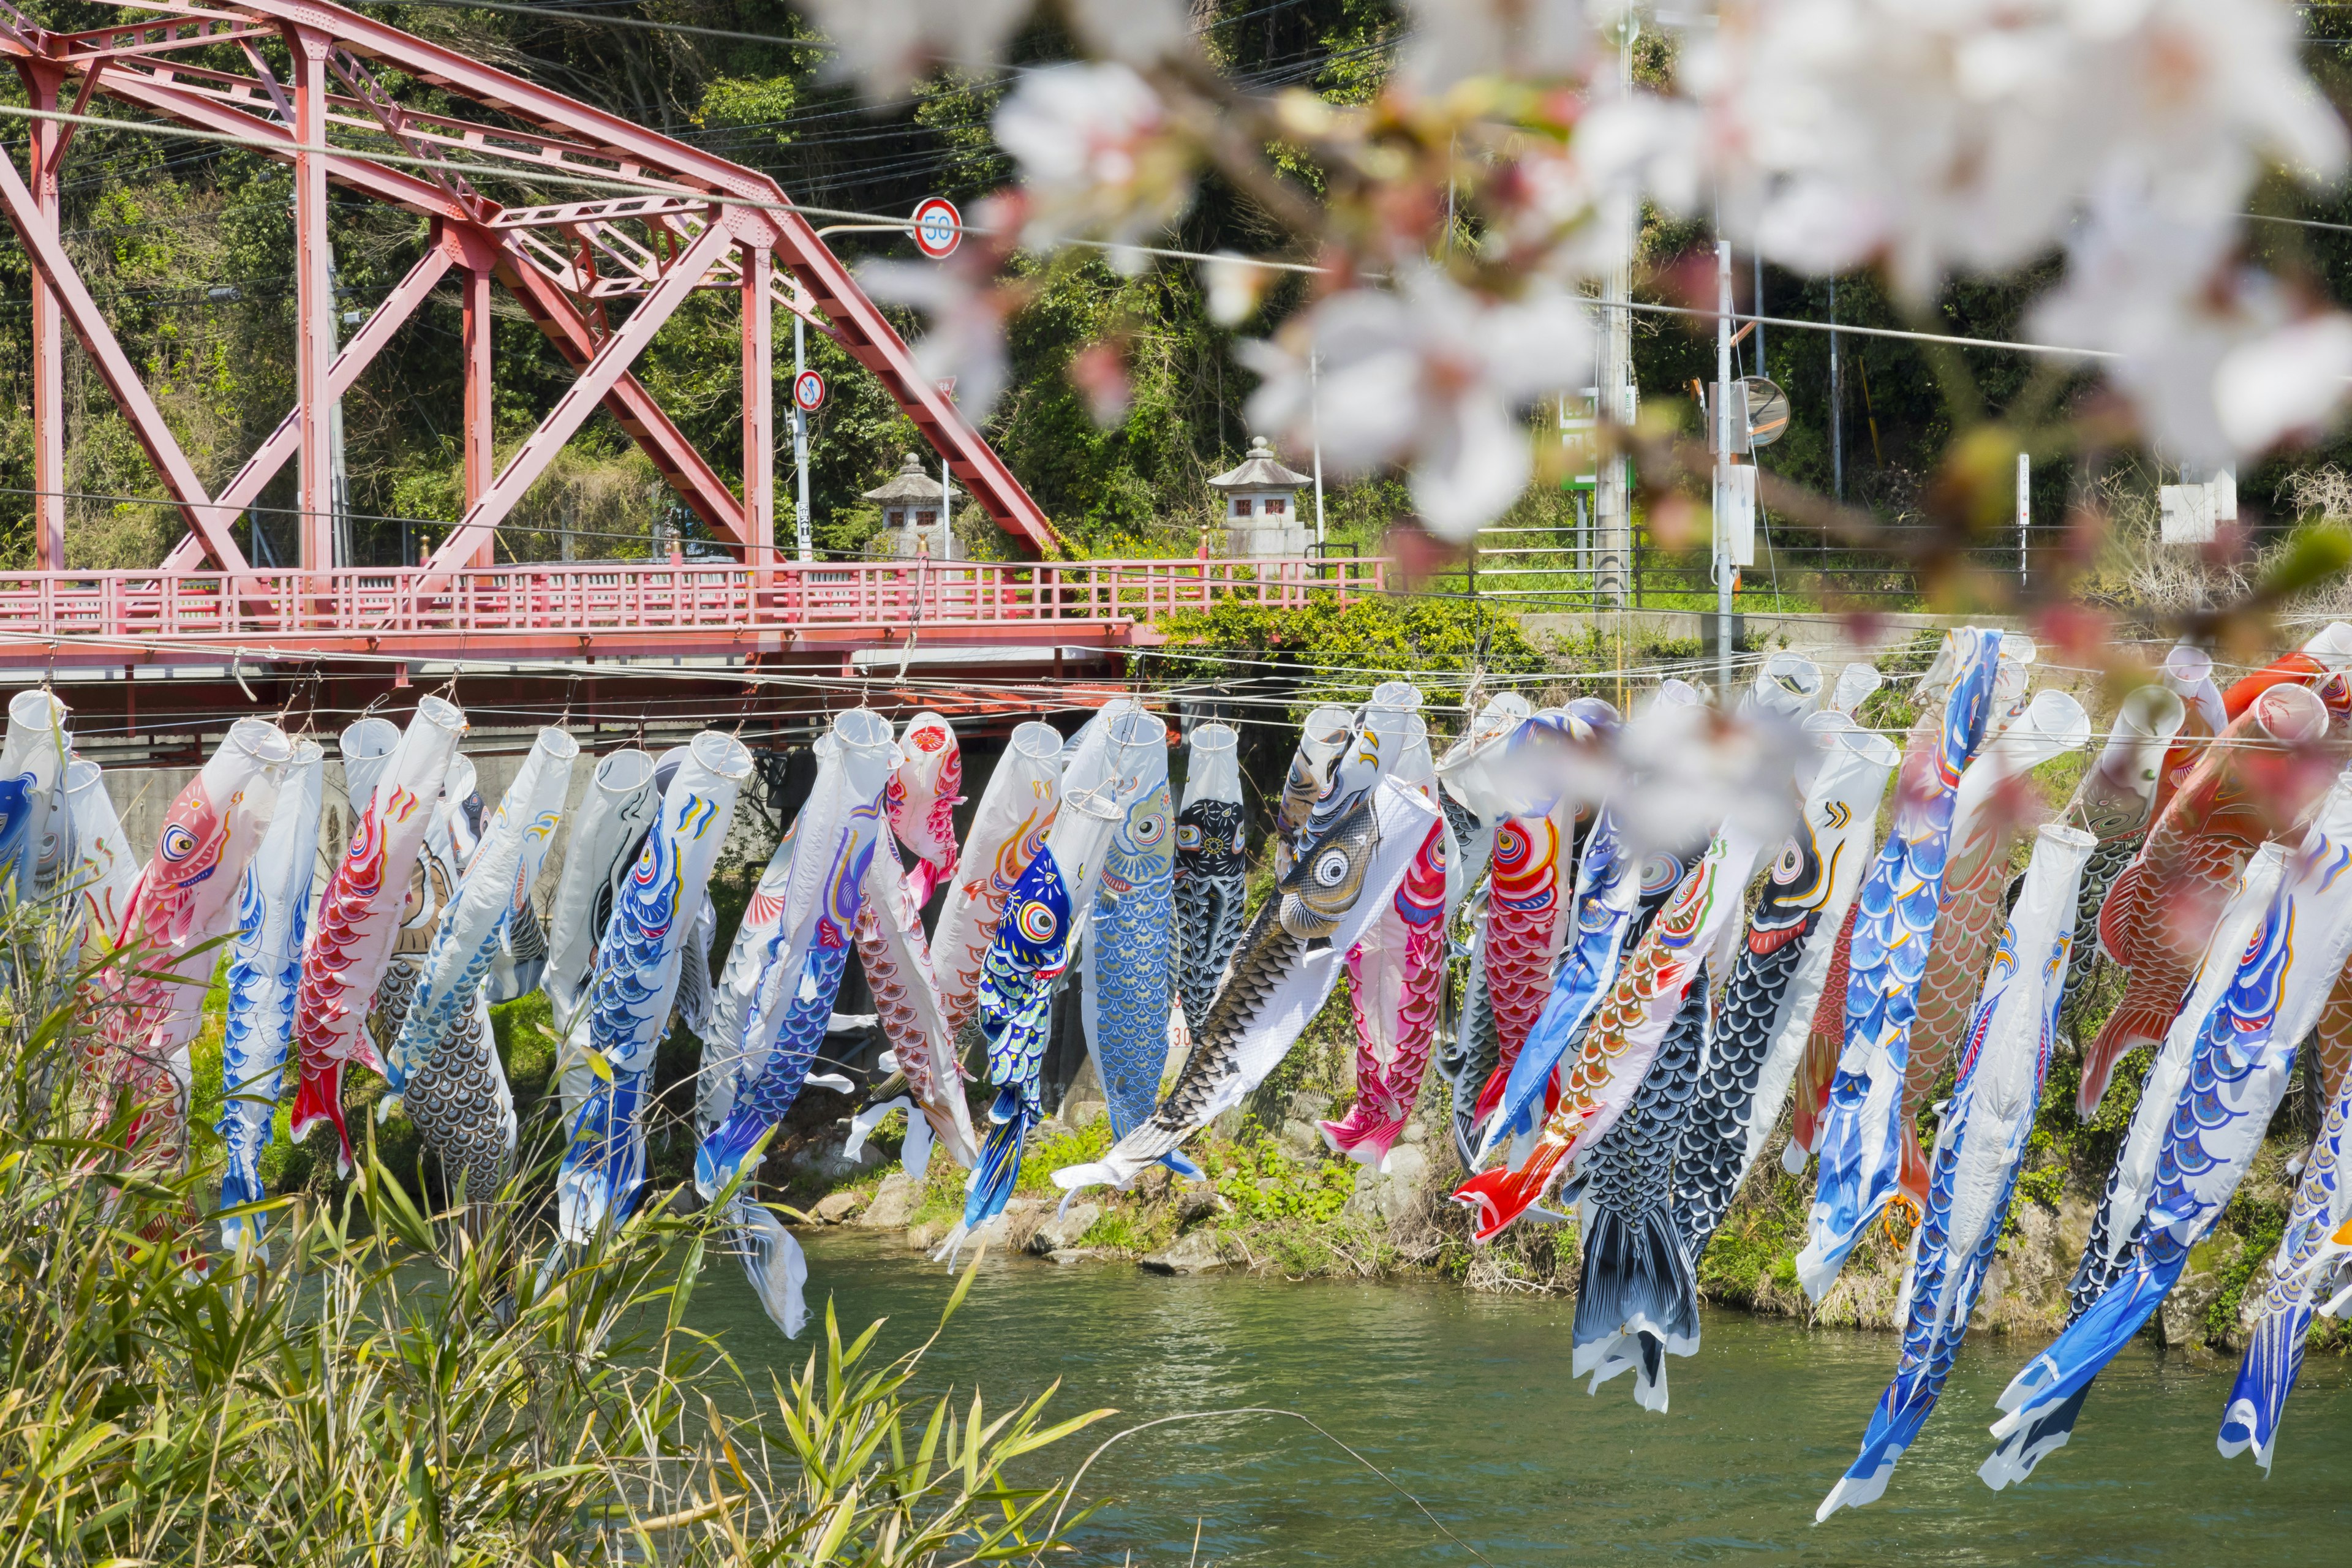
(1490, 1094)
(992, 1180)
(1636, 1303)
(240, 1184)
(1501, 1196)
(2266, 1376)
(772, 1262)
(1894, 1426)
(1816, 1070)
(2136, 1022)
(1366, 1133)
(2044, 1399)
(319, 1098)
(1911, 1175)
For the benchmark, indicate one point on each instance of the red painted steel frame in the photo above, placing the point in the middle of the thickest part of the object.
(765, 252)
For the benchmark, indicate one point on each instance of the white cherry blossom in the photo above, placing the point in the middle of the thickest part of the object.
(967, 311)
(1531, 39)
(1429, 375)
(887, 44)
(1096, 157)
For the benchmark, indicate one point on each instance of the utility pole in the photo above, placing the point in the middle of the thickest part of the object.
(800, 441)
(1613, 486)
(1723, 445)
(2024, 510)
(1315, 423)
(1756, 308)
(1837, 407)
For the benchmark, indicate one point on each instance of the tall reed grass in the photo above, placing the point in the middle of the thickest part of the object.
(380, 1384)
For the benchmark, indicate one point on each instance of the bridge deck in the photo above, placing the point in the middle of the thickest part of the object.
(627, 609)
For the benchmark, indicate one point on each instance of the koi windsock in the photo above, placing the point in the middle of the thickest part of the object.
(1321, 740)
(152, 1002)
(2116, 800)
(265, 968)
(897, 960)
(1124, 995)
(1608, 887)
(2238, 1070)
(2249, 785)
(1354, 855)
(2297, 1283)
(1626, 1033)
(432, 885)
(1761, 1025)
(443, 1064)
(638, 969)
(1396, 976)
(620, 803)
(1636, 1300)
(36, 827)
(1861, 1147)
(922, 802)
(1050, 909)
(105, 870)
(1212, 834)
(1471, 803)
(1817, 1065)
(1008, 829)
(359, 917)
(1995, 798)
(1980, 1149)
(781, 979)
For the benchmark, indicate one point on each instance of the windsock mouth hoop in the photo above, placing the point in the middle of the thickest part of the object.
(2290, 714)
(723, 754)
(625, 772)
(364, 740)
(35, 709)
(259, 739)
(1327, 726)
(1038, 741)
(1097, 803)
(82, 773)
(2154, 709)
(441, 711)
(307, 750)
(861, 728)
(557, 743)
(2188, 665)
(2070, 837)
(1400, 694)
(1214, 737)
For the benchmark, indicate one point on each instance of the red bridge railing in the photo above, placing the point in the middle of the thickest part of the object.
(620, 607)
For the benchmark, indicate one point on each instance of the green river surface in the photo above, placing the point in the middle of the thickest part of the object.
(1465, 1400)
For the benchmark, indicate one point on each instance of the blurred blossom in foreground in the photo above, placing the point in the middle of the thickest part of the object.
(1964, 135)
(887, 44)
(2217, 356)
(1432, 376)
(1140, 32)
(967, 310)
(1234, 285)
(1096, 159)
(1690, 766)
(1455, 39)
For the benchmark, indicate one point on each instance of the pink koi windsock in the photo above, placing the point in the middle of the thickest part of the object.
(359, 916)
(922, 802)
(153, 1001)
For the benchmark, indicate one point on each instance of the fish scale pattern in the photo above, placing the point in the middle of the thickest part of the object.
(1208, 898)
(1636, 1299)
(1715, 1134)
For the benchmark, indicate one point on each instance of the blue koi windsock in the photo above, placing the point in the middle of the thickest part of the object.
(264, 966)
(1860, 1148)
(2238, 1074)
(1978, 1151)
(636, 979)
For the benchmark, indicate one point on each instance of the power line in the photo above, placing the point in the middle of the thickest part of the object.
(564, 13)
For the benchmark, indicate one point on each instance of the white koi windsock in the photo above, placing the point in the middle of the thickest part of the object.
(637, 970)
(444, 1064)
(264, 969)
(1009, 828)
(105, 870)
(359, 916)
(185, 899)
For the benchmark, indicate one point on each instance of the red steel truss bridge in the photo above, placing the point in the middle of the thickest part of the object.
(321, 89)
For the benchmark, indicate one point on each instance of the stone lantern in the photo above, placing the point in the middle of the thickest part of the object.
(913, 518)
(1262, 505)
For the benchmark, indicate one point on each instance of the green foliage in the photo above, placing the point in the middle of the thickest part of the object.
(2258, 1224)
(388, 1385)
(1263, 1180)
(1334, 653)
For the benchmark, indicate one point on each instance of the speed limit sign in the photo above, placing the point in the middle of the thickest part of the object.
(939, 228)
(808, 392)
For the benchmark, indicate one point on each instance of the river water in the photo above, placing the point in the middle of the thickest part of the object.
(1466, 1403)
